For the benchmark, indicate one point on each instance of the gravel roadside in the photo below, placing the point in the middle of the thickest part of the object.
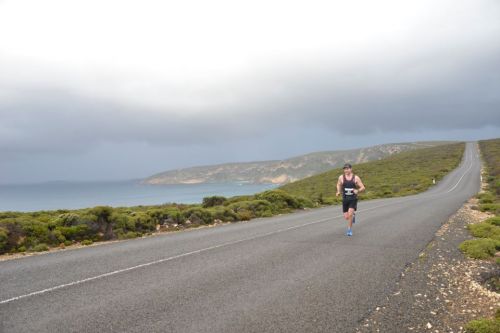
(443, 290)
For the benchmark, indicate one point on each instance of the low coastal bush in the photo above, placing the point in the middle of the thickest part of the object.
(485, 230)
(490, 207)
(213, 201)
(483, 248)
(198, 215)
(224, 214)
(253, 208)
(488, 230)
(67, 227)
(484, 325)
(40, 247)
(495, 220)
(3, 238)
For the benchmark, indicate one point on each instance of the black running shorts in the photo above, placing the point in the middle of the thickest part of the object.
(349, 203)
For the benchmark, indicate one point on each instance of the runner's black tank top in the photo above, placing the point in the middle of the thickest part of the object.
(349, 186)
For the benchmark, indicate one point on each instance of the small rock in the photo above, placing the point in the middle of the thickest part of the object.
(429, 326)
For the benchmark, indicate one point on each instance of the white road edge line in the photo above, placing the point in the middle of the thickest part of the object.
(174, 257)
(198, 251)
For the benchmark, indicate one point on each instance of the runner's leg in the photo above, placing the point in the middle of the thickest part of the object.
(350, 214)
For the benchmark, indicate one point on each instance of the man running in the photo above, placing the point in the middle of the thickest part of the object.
(350, 186)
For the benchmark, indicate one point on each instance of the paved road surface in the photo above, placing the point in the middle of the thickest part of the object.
(292, 273)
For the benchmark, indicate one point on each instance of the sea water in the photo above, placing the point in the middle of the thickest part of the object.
(73, 195)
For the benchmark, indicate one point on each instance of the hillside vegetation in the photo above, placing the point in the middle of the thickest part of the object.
(402, 174)
(490, 200)
(284, 171)
(487, 242)
(487, 232)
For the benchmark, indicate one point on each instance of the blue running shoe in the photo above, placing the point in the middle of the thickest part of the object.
(349, 232)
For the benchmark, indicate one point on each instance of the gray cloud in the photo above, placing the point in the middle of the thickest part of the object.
(363, 99)
(441, 76)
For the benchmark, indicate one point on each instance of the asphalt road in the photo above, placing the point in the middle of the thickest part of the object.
(291, 273)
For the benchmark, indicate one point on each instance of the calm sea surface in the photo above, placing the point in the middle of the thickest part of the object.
(69, 195)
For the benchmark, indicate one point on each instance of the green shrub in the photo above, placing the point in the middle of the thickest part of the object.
(68, 219)
(495, 220)
(198, 215)
(21, 249)
(40, 247)
(213, 201)
(483, 326)
(306, 203)
(103, 219)
(57, 237)
(122, 222)
(143, 222)
(129, 235)
(485, 230)
(493, 208)
(166, 215)
(252, 208)
(87, 242)
(480, 248)
(486, 198)
(238, 198)
(35, 231)
(224, 214)
(3, 240)
(280, 199)
(245, 215)
(76, 232)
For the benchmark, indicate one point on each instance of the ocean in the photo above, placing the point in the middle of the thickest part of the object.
(74, 195)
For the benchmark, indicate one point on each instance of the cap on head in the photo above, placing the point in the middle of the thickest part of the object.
(347, 166)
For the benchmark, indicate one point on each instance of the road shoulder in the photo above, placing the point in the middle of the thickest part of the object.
(443, 290)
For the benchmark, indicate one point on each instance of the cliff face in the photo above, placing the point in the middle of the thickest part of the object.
(280, 172)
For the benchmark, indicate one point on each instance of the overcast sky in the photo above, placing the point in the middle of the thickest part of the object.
(124, 89)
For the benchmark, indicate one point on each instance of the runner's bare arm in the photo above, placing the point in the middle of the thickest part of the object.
(361, 186)
(339, 186)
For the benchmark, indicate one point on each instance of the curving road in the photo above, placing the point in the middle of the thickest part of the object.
(292, 273)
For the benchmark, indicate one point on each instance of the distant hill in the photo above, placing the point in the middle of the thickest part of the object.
(409, 172)
(284, 171)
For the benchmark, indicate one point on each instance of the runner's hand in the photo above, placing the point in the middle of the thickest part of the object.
(338, 193)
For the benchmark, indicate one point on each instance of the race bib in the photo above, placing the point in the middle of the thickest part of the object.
(349, 191)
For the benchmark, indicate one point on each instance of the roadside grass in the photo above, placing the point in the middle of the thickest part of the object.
(483, 248)
(488, 231)
(402, 174)
(484, 325)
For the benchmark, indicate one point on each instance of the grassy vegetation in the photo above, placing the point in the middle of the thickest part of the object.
(487, 231)
(484, 325)
(480, 248)
(402, 174)
(490, 200)
(37, 231)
